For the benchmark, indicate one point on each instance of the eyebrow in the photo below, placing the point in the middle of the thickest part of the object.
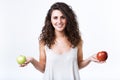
(60, 16)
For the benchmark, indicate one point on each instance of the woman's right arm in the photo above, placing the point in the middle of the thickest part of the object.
(39, 65)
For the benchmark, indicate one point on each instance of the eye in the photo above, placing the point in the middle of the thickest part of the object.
(63, 17)
(55, 17)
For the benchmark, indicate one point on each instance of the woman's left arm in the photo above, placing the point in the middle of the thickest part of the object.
(83, 63)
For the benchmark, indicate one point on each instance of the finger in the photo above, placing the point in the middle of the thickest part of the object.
(102, 61)
(94, 59)
(22, 65)
(26, 62)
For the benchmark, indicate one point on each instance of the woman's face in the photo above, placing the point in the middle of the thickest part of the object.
(58, 20)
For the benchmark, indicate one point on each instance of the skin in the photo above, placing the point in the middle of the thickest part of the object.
(59, 21)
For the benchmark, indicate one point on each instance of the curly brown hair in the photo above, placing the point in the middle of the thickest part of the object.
(71, 29)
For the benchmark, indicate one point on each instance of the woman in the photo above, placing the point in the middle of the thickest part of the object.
(61, 55)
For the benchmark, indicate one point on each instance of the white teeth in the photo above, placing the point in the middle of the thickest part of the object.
(59, 25)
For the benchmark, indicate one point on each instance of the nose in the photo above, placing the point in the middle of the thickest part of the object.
(59, 20)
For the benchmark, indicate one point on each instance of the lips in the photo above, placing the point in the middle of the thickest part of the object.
(59, 26)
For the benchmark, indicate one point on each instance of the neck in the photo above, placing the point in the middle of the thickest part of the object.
(60, 34)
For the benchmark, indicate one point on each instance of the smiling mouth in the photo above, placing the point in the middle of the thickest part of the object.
(59, 26)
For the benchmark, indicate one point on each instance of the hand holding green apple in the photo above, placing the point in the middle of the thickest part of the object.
(21, 59)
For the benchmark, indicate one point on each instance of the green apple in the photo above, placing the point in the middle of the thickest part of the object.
(21, 59)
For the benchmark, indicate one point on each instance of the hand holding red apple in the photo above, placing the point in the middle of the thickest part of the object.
(102, 56)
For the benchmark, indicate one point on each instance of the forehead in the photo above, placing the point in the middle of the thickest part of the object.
(56, 13)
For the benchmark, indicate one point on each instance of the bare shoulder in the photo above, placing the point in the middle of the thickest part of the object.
(79, 46)
(41, 43)
(42, 50)
(80, 51)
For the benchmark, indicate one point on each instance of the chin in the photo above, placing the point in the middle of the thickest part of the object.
(60, 29)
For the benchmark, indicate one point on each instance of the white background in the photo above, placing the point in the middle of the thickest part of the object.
(21, 22)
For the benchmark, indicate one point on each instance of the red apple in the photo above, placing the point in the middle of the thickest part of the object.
(102, 56)
(21, 59)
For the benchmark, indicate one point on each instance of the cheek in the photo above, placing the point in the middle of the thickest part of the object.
(65, 22)
(52, 21)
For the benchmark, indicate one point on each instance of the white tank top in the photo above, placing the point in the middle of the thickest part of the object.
(61, 66)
